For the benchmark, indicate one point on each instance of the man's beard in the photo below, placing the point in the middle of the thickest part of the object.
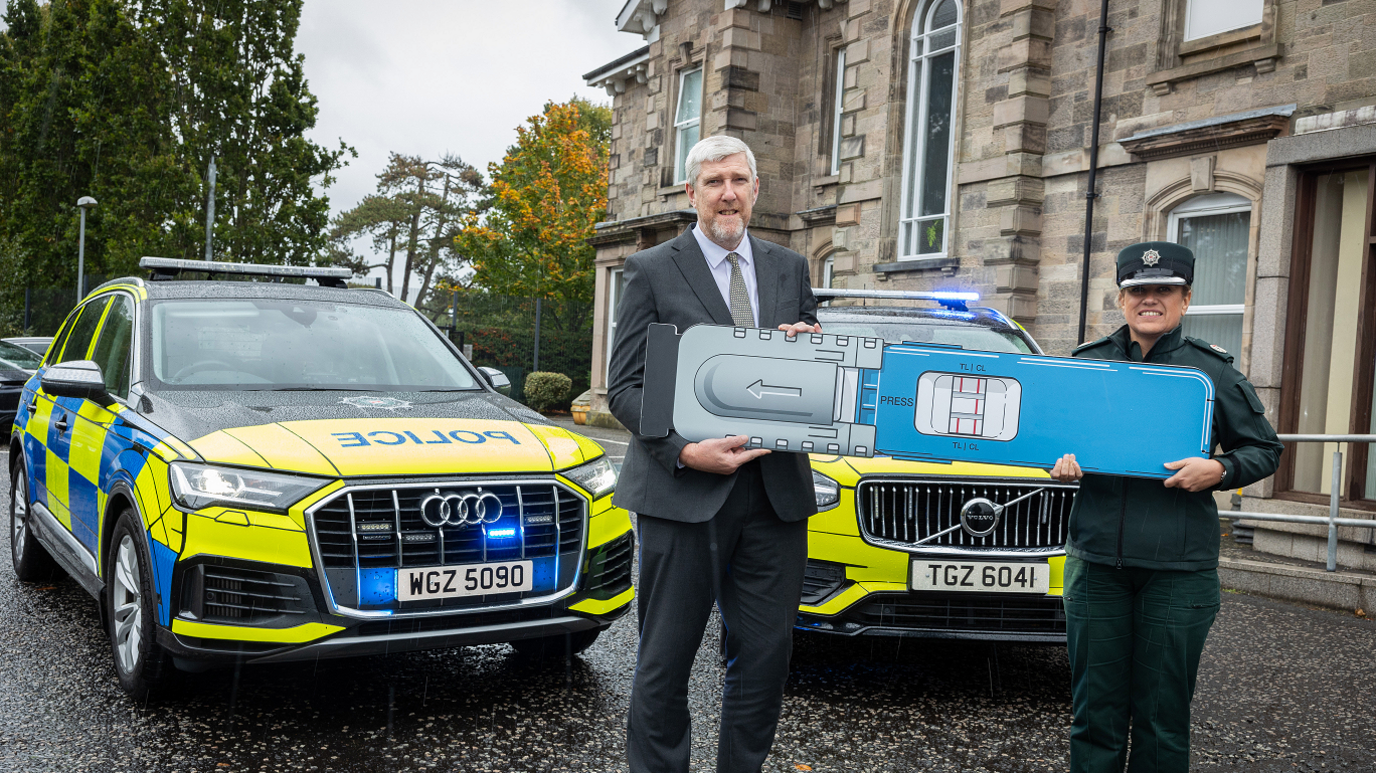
(725, 233)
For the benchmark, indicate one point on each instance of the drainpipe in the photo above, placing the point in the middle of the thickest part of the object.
(1091, 192)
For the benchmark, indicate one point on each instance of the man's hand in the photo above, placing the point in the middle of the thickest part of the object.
(722, 456)
(1067, 470)
(1195, 474)
(800, 327)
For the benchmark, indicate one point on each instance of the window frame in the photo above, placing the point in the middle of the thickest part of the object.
(1188, 37)
(1352, 489)
(838, 107)
(613, 299)
(681, 174)
(915, 115)
(1198, 207)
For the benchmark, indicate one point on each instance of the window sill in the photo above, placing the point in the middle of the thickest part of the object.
(1263, 56)
(917, 264)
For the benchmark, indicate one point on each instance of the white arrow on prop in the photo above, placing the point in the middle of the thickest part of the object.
(759, 389)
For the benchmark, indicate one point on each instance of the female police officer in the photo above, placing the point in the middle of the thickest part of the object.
(1141, 573)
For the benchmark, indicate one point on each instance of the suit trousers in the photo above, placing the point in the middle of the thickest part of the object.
(1134, 637)
(750, 564)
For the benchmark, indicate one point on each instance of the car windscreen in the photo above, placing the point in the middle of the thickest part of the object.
(17, 357)
(262, 344)
(898, 331)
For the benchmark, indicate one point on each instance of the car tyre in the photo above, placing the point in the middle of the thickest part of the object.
(558, 646)
(32, 561)
(140, 662)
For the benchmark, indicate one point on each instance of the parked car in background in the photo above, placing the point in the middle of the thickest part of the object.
(264, 471)
(17, 364)
(35, 344)
(962, 550)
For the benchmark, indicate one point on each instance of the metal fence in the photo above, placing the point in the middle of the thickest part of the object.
(1333, 521)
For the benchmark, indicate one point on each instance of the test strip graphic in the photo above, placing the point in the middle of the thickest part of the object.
(968, 399)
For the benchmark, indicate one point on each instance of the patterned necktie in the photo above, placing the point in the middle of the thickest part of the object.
(741, 313)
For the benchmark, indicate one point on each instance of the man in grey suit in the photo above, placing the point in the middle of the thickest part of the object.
(717, 522)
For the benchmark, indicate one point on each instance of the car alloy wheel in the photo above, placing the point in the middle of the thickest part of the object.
(19, 518)
(126, 605)
(31, 559)
(140, 662)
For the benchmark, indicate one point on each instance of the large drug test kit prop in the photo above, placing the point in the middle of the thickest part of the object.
(856, 396)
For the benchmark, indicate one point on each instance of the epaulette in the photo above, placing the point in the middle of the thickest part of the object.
(1213, 349)
(1090, 345)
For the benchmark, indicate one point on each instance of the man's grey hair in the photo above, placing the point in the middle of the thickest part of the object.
(715, 149)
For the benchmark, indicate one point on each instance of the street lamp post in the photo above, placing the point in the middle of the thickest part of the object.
(84, 203)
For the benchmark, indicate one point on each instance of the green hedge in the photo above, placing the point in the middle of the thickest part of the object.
(544, 390)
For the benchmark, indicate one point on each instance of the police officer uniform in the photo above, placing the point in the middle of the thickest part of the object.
(1141, 574)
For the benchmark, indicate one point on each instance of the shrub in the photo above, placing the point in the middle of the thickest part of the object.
(545, 390)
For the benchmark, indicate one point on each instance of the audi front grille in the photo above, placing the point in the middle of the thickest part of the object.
(903, 512)
(364, 534)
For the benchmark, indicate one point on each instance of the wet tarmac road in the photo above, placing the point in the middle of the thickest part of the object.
(1282, 688)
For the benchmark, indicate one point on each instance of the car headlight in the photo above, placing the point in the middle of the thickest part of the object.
(196, 486)
(598, 477)
(828, 491)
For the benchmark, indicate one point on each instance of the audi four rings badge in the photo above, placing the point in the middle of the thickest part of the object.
(452, 508)
(855, 395)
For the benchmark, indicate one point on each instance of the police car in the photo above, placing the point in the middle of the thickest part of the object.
(270, 471)
(961, 550)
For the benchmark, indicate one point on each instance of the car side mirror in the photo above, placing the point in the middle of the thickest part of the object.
(78, 378)
(497, 380)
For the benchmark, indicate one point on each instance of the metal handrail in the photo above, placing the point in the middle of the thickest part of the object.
(1332, 520)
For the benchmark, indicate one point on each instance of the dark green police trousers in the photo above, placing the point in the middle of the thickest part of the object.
(1134, 637)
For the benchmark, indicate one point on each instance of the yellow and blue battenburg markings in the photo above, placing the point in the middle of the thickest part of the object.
(856, 396)
(76, 470)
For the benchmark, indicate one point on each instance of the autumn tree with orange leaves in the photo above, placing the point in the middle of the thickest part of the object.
(546, 196)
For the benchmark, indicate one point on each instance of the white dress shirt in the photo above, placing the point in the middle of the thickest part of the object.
(721, 270)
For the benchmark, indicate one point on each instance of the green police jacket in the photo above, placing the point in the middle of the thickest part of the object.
(1140, 522)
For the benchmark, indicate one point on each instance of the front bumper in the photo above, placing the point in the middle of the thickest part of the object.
(257, 610)
(856, 588)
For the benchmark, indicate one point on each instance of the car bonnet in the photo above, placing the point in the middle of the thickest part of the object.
(334, 434)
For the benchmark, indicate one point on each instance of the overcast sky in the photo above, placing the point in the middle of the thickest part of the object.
(426, 77)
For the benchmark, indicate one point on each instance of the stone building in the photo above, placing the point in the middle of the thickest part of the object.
(945, 144)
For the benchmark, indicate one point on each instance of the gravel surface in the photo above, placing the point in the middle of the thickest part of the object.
(1282, 688)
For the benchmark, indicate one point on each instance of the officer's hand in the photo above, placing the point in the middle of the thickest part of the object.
(1195, 474)
(800, 327)
(719, 455)
(1067, 470)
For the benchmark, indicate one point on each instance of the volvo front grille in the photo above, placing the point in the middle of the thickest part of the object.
(913, 514)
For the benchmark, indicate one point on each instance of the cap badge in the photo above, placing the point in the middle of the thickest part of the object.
(1151, 258)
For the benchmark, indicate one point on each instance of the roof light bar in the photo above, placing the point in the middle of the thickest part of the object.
(170, 268)
(949, 298)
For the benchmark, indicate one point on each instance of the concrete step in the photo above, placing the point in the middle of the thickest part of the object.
(1342, 589)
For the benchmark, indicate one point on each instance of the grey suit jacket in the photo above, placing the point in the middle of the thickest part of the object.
(671, 283)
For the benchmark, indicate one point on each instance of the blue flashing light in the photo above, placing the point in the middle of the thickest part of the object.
(377, 586)
(501, 533)
(955, 301)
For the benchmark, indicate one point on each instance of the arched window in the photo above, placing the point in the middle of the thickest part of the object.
(933, 62)
(1216, 228)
